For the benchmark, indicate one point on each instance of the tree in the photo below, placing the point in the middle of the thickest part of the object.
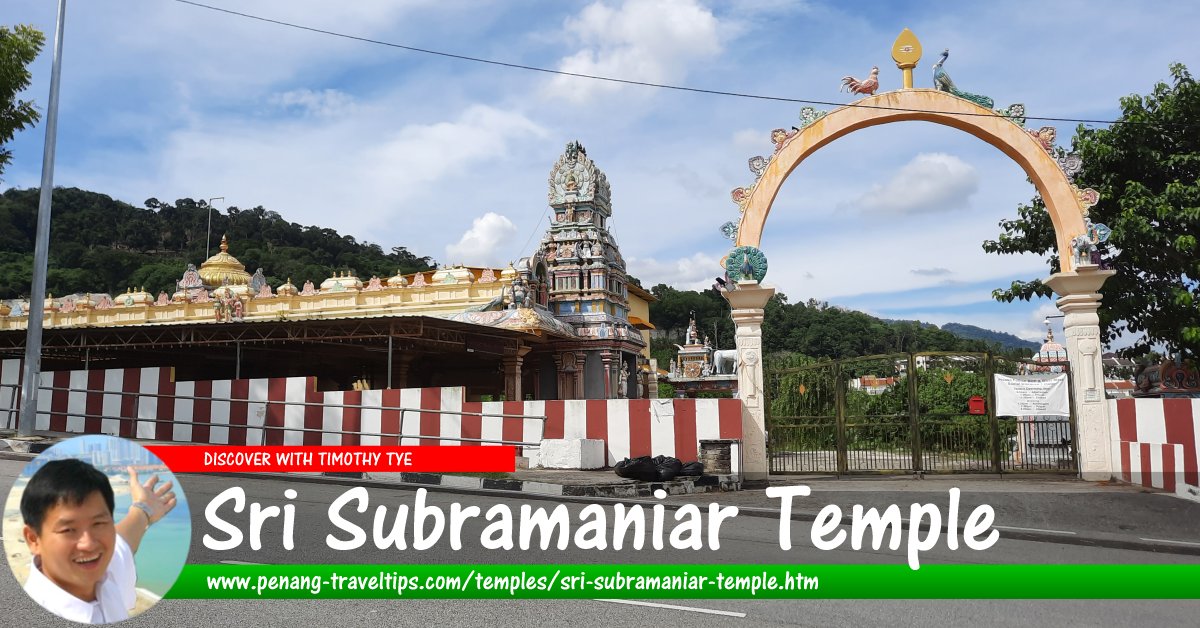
(18, 48)
(100, 244)
(1147, 170)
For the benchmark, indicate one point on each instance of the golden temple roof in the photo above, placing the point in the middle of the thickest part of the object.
(224, 268)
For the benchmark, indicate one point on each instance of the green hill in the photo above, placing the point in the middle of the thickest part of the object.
(813, 328)
(1005, 340)
(99, 244)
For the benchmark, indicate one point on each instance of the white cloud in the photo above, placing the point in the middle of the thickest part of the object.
(326, 103)
(356, 174)
(697, 272)
(751, 142)
(489, 235)
(930, 183)
(655, 41)
(931, 272)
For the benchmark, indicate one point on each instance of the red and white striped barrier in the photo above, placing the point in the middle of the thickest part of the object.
(1155, 442)
(235, 412)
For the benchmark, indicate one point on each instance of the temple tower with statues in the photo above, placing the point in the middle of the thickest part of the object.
(579, 275)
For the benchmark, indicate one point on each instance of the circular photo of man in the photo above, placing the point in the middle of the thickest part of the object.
(96, 529)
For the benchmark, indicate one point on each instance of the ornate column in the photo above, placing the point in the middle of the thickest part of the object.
(512, 374)
(564, 364)
(1079, 298)
(580, 369)
(748, 301)
(400, 367)
(652, 380)
(609, 375)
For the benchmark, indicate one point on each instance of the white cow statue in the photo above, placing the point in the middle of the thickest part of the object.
(725, 361)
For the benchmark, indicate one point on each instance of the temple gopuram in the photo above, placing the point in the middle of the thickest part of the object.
(563, 323)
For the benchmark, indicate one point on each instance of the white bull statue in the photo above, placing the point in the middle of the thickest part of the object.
(725, 361)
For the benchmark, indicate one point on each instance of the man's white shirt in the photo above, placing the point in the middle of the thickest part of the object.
(115, 594)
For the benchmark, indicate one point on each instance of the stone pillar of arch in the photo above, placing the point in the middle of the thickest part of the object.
(747, 303)
(1078, 299)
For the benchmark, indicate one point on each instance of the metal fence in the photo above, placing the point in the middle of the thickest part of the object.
(907, 413)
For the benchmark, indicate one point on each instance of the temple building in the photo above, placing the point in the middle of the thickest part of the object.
(562, 323)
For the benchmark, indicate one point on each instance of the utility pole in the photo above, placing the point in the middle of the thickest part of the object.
(37, 292)
(208, 238)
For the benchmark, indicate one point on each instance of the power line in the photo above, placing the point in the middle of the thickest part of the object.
(533, 233)
(610, 79)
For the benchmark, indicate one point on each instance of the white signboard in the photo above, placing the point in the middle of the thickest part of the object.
(1032, 395)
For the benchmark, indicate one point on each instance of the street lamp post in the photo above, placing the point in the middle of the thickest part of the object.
(37, 292)
(208, 238)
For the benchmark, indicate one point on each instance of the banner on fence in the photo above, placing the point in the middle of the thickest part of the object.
(1032, 395)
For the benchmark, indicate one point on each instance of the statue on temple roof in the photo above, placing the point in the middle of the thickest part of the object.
(191, 279)
(257, 281)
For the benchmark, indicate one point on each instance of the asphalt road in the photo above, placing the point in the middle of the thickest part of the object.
(744, 540)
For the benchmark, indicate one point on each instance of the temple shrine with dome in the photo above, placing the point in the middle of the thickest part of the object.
(563, 323)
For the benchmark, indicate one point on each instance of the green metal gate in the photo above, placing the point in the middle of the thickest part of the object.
(867, 415)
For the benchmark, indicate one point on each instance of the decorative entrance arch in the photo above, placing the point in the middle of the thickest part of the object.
(927, 105)
(1077, 285)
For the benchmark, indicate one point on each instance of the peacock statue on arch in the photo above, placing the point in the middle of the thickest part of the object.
(942, 82)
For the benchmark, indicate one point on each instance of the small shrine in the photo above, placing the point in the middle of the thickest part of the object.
(695, 358)
(700, 367)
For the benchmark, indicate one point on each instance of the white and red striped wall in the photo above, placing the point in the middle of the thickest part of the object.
(239, 410)
(1155, 442)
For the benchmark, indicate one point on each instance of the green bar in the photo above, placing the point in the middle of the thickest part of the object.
(687, 581)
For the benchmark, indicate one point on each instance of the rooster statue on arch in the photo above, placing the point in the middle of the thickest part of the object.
(867, 87)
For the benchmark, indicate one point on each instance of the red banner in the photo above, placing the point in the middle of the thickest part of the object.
(278, 459)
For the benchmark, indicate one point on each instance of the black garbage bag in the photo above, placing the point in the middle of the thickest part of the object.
(668, 467)
(642, 469)
(692, 469)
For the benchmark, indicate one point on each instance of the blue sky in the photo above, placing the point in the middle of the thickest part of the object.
(450, 158)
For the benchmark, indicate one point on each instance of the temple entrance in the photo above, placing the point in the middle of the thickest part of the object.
(868, 415)
(1049, 169)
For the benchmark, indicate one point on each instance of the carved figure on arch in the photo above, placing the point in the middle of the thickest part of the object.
(942, 81)
(780, 137)
(1083, 248)
(866, 86)
(1045, 137)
